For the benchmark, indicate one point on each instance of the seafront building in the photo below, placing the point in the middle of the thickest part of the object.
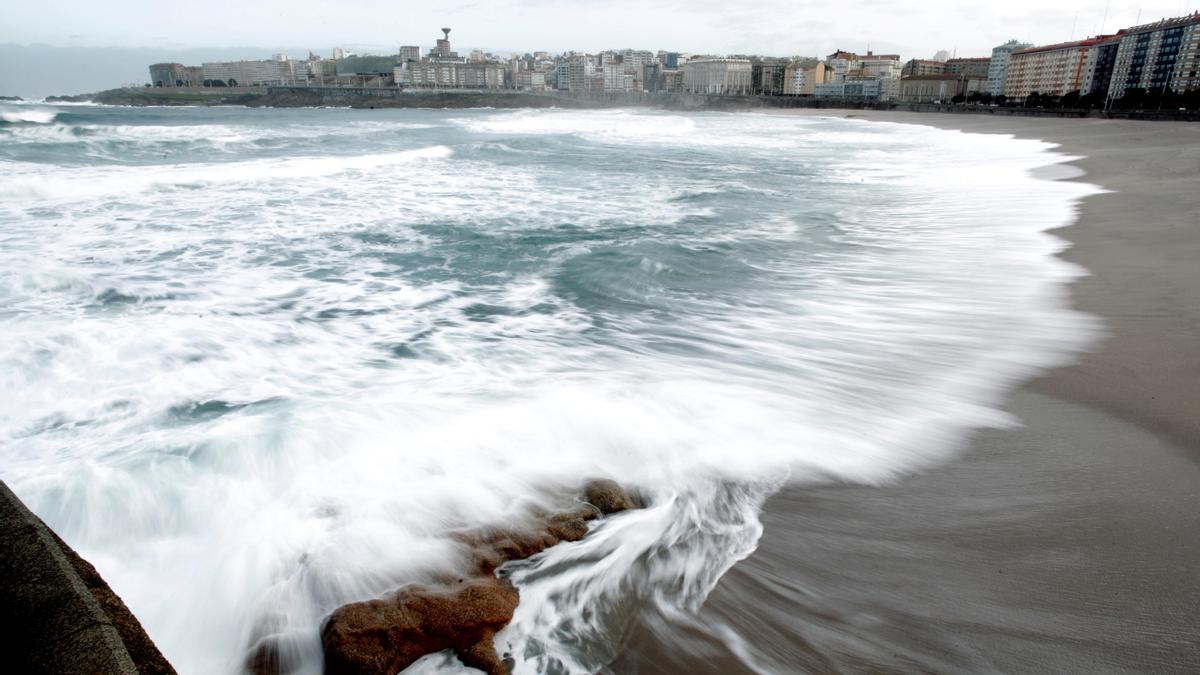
(277, 71)
(935, 88)
(975, 68)
(852, 89)
(1052, 70)
(1160, 55)
(801, 77)
(998, 65)
(1153, 57)
(173, 75)
(768, 77)
(884, 70)
(918, 67)
(719, 76)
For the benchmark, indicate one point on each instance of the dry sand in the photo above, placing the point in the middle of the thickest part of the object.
(1071, 544)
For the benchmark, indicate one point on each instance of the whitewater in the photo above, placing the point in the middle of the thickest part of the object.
(260, 363)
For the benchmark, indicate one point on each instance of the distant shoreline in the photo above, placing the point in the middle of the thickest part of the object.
(370, 98)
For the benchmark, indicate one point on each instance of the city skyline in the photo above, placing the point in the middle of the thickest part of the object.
(769, 27)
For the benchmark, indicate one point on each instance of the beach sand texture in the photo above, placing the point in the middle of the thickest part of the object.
(1069, 544)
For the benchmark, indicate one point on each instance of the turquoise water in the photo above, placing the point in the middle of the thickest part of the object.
(258, 363)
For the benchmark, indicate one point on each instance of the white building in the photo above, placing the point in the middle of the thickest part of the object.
(717, 76)
(998, 66)
(886, 68)
(616, 78)
(256, 73)
(637, 58)
(529, 80)
(447, 74)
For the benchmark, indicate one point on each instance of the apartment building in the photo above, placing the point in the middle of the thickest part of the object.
(717, 76)
(998, 65)
(973, 68)
(801, 77)
(919, 67)
(853, 89)
(254, 73)
(933, 88)
(1052, 69)
(1160, 55)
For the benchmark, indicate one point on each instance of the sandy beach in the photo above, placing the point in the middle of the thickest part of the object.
(1069, 544)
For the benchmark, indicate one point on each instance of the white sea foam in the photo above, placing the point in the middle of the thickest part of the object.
(252, 390)
(28, 116)
(86, 183)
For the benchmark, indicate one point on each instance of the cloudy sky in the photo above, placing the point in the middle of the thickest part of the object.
(914, 28)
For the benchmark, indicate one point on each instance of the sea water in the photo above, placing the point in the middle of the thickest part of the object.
(255, 364)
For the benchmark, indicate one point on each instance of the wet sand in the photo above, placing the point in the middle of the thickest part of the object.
(1070, 544)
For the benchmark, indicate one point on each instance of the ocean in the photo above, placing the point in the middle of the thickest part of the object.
(260, 363)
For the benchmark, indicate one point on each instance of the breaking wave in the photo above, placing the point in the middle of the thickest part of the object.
(253, 386)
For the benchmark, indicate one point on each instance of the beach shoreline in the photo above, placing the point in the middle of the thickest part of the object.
(1137, 240)
(1067, 544)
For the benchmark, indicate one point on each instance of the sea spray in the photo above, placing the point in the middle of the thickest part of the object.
(259, 363)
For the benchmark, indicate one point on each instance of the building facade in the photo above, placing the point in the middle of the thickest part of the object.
(176, 75)
(1160, 55)
(802, 76)
(717, 76)
(972, 68)
(438, 74)
(529, 80)
(932, 88)
(254, 73)
(919, 67)
(1052, 69)
(768, 77)
(865, 89)
(998, 65)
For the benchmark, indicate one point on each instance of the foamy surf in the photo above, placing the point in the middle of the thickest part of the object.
(27, 116)
(255, 385)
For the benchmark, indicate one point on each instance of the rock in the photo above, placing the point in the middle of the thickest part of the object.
(492, 547)
(385, 636)
(608, 496)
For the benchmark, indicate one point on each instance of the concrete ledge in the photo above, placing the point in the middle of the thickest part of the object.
(56, 614)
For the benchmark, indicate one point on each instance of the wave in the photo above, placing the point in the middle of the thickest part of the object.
(85, 183)
(14, 117)
(276, 384)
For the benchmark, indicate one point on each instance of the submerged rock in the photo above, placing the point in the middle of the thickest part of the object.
(608, 496)
(385, 636)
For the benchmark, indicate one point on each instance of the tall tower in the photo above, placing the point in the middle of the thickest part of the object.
(443, 45)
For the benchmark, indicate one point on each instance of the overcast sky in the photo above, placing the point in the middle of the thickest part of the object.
(914, 28)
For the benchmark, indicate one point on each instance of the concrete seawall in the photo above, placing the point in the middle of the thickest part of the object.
(58, 614)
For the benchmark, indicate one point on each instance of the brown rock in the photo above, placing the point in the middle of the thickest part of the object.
(385, 636)
(608, 496)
